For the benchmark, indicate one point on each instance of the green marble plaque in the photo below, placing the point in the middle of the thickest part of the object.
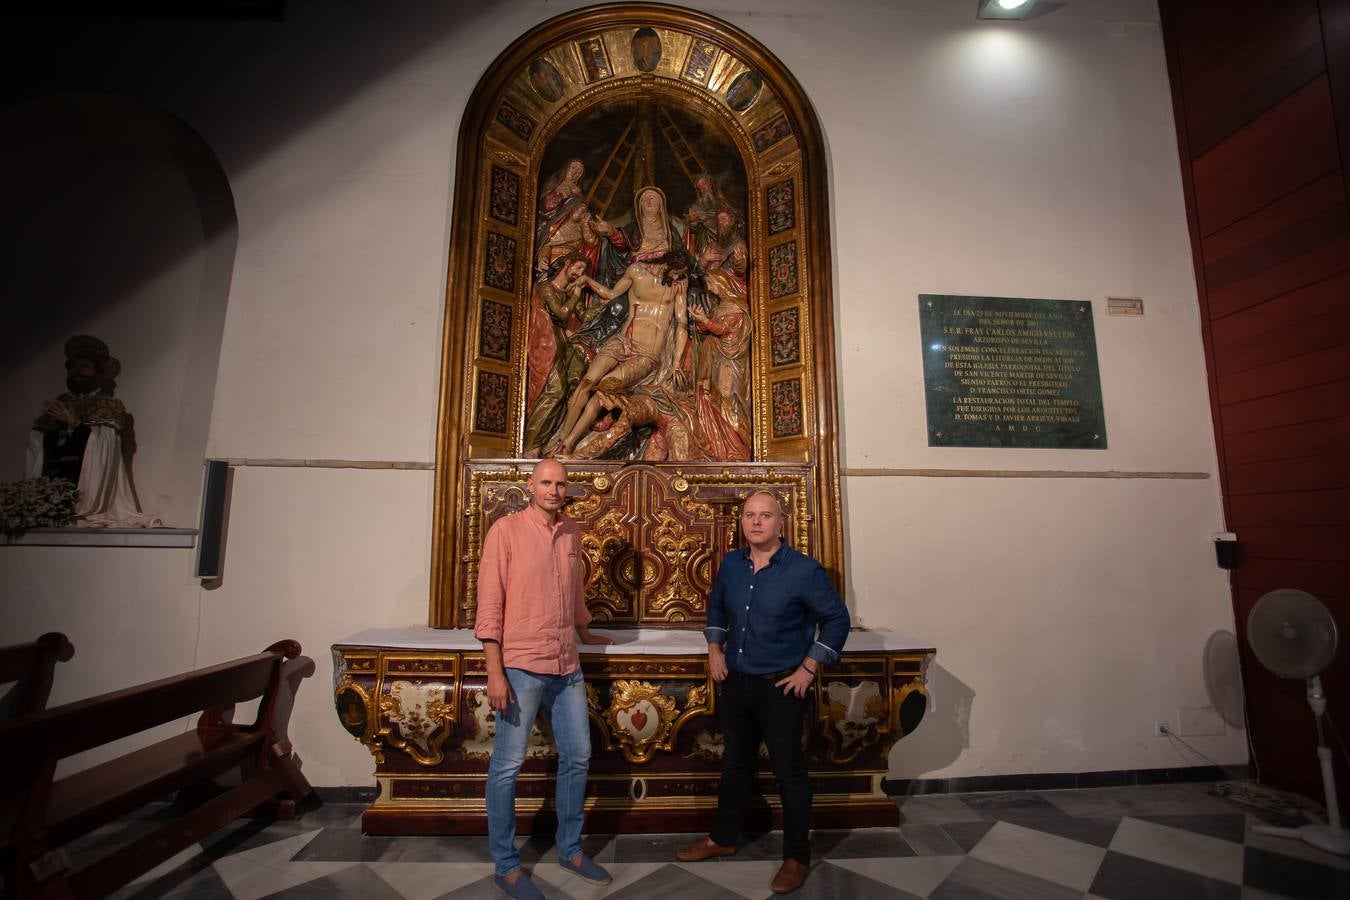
(1009, 372)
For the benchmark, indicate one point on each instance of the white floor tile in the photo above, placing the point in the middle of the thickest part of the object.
(1185, 850)
(1046, 856)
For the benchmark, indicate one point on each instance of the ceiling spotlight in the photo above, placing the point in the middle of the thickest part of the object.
(1004, 9)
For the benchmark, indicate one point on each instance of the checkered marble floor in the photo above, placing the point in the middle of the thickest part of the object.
(1149, 842)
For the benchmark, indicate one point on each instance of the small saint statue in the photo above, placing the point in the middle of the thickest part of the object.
(85, 436)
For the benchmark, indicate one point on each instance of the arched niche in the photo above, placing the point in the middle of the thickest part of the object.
(120, 222)
(642, 78)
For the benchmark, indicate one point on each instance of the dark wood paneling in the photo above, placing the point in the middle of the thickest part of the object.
(1327, 579)
(1312, 542)
(1335, 16)
(1264, 138)
(1255, 73)
(1320, 262)
(1309, 473)
(1319, 438)
(1206, 28)
(1322, 298)
(1325, 401)
(1233, 244)
(1307, 336)
(1330, 507)
(1282, 150)
(1306, 370)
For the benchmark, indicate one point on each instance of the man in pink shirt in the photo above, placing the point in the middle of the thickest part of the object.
(531, 611)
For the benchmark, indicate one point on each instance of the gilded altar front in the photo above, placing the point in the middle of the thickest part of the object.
(416, 699)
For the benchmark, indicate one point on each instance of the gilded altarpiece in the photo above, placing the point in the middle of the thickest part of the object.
(639, 283)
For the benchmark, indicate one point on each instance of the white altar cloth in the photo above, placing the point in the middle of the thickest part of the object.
(628, 641)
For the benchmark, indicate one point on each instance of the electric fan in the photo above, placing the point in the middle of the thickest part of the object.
(1294, 636)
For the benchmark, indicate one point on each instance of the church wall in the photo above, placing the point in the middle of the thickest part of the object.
(1033, 160)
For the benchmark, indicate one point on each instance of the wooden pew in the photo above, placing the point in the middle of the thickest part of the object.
(45, 813)
(31, 668)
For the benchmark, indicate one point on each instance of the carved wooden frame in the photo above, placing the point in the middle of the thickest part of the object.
(780, 139)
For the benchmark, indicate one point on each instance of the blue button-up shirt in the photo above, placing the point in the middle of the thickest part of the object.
(767, 620)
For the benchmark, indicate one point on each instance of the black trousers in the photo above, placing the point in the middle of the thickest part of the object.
(751, 710)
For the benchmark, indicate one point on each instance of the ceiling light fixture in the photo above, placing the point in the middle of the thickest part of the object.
(1004, 9)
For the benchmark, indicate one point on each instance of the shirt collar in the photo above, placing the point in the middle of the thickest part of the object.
(778, 555)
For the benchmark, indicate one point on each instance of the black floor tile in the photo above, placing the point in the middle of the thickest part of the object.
(930, 840)
(1097, 831)
(1291, 877)
(650, 847)
(350, 845)
(249, 834)
(871, 843)
(357, 881)
(1224, 827)
(976, 879)
(543, 848)
(675, 883)
(484, 888)
(1123, 877)
(192, 880)
(827, 882)
(991, 804)
(768, 845)
(967, 834)
(332, 815)
(465, 848)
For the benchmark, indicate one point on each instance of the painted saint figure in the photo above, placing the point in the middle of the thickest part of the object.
(722, 386)
(85, 436)
(700, 228)
(559, 198)
(556, 363)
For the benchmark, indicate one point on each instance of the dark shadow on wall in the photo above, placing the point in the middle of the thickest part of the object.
(944, 732)
(104, 195)
(246, 86)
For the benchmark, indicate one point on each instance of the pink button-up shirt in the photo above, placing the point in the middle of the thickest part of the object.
(530, 596)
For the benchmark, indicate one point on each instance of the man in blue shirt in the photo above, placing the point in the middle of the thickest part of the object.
(764, 652)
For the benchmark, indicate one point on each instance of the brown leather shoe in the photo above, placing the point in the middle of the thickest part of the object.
(701, 849)
(790, 877)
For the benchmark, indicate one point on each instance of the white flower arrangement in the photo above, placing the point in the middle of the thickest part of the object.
(36, 503)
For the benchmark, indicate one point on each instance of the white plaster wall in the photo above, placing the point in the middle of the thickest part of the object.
(1033, 160)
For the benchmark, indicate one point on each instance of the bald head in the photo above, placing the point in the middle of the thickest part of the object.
(551, 467)
(548, 486)
(762, 520)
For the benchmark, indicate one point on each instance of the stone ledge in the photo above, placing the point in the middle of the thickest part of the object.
(103, 537)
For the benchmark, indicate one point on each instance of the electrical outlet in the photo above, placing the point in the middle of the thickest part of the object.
(1160, 729)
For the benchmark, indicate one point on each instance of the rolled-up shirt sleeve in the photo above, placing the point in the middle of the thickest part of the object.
(492, 587)
(715, 625)
(831, 614)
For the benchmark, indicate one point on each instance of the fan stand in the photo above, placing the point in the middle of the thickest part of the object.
(1330, 837)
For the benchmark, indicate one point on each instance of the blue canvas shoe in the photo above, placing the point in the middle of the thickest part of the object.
(587, 870)
(523, 889)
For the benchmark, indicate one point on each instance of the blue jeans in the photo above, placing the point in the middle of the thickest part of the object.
(564, 697)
